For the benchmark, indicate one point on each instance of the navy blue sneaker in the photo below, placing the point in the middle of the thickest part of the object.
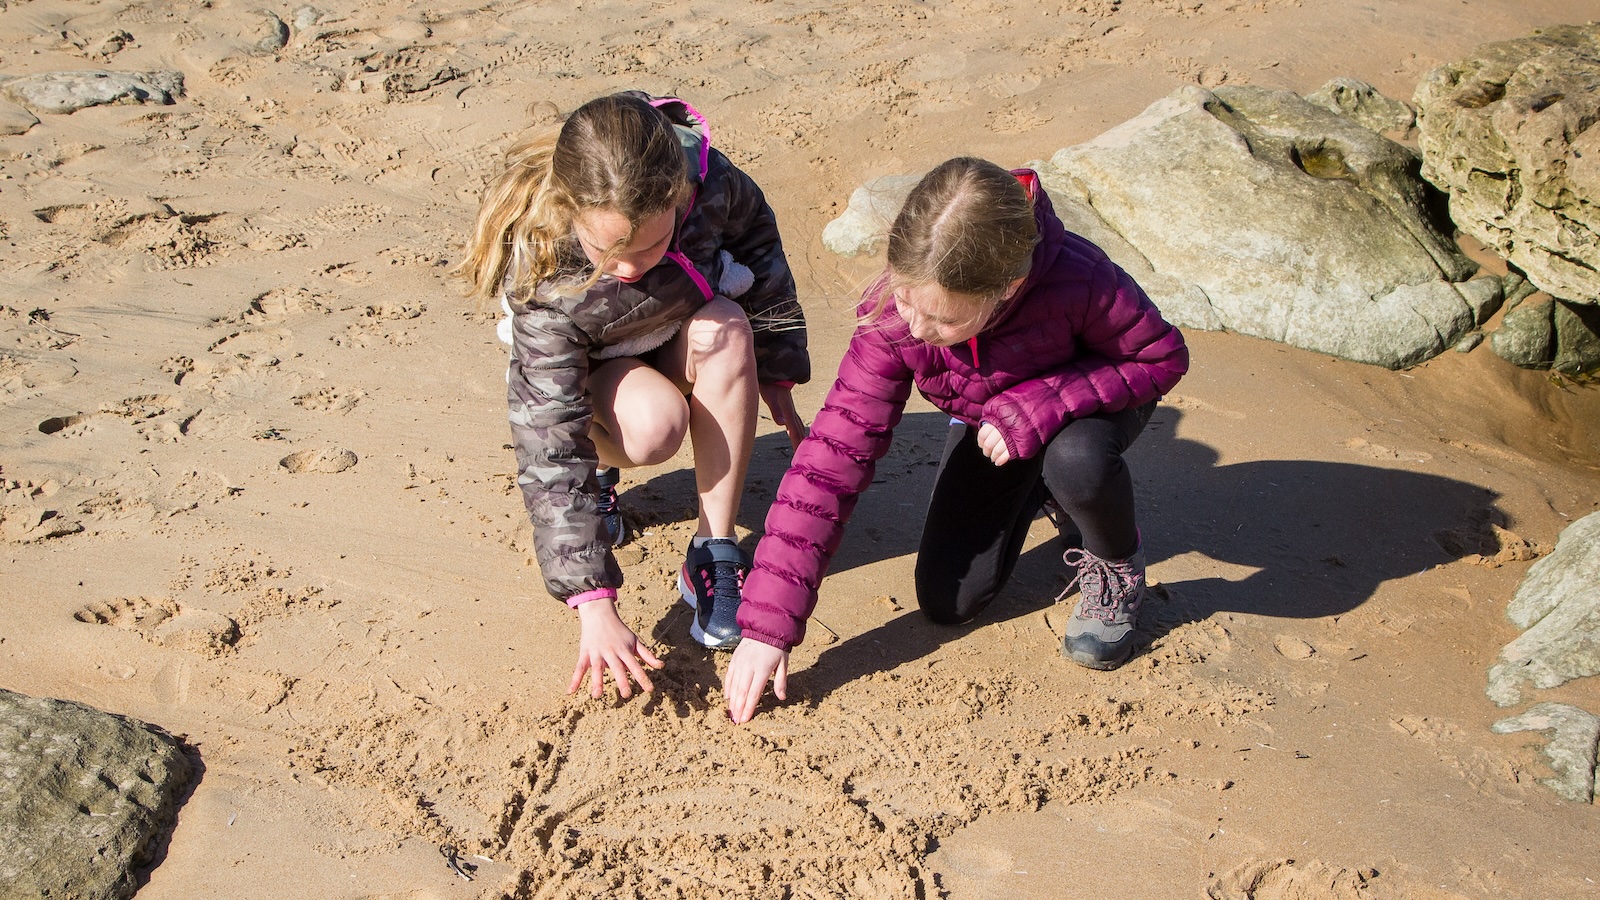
(610, 507)
(712, 583)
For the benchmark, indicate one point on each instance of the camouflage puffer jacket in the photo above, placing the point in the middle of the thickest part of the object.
(555, 339)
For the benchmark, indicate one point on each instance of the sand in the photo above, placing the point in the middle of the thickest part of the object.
(257, 490)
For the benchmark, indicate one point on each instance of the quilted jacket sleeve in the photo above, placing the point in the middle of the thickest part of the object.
(1127, 356)
(830, 470)
(750, 234)
(547, 391)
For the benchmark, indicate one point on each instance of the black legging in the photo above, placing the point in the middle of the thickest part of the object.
(979, 514)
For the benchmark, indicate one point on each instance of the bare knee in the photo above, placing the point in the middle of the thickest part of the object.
(719, 338)
(655, 440)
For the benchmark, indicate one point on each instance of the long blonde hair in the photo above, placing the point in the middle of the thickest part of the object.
(616, 153)
(968, 227)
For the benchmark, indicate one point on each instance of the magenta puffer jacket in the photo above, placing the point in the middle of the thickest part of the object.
(1080, 337)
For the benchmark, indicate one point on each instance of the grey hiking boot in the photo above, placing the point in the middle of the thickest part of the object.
(1100, 633)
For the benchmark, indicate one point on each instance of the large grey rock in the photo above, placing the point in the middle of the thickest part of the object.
(1361, 103)
(66, 92)
(863, 228)
(1571, 749)
(864, 225)
(1558, 603)
(1526, 336)
(1507, 132)
(1278, 218)
(1577, 328)
(83, 796)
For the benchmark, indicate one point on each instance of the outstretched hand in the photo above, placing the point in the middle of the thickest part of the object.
(752, 665)
(780, 402)
(607, 643)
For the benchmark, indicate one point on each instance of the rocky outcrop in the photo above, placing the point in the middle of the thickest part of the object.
(1361, 103)
(1281, 219)
(1509, 133)
(1258, 212)
(1558, 603)
(1574, 736)
(66, 92)
(84, 797)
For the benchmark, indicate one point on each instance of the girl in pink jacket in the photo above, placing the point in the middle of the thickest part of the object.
(1048, 358)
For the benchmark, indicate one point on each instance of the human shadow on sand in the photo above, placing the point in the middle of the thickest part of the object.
(1297, 538)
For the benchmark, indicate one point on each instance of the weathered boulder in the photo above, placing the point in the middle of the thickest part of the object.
(1527, 336)
(1558, 603)
(83, 798)
(864, 224)
(1574, 735)
(1280, 219)
(1577, 332)
(66, 92)
(1361, 103)
(1508, 133)
(15, 119)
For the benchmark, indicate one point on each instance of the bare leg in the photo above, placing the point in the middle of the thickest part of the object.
(713, 360)
(640, 415)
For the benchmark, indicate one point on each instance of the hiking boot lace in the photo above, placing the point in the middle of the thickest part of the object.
(1106, 584)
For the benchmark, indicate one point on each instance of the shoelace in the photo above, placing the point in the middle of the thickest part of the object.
(722, 577)
(608, 502)
(1106, 585)
(726, 577)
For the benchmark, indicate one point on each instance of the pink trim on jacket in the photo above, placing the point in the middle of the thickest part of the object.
(577, 600)
(705, 165)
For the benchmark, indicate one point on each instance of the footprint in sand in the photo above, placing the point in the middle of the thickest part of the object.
(141, 410)
(1281, 879)
(326, 460)
(279, 304)
(161, 621)
(1015, 118)
(331, 399)
(23, 373)
(74, 425)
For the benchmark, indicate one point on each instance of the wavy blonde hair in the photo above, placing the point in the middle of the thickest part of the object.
(613, 153)
(968, 227)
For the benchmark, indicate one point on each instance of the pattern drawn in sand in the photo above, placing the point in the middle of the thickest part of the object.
(845, 796)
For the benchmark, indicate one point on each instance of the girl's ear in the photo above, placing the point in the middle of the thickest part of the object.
(1011, 289)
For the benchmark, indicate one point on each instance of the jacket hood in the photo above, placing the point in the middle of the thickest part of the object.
(1051, 235)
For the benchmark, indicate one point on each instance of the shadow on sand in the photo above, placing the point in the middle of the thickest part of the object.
(1299, 538)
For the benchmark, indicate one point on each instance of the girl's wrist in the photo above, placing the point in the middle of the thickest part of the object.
(597, 609)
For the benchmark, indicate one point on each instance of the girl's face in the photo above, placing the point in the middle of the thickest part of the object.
(944, 318)
(600, 230)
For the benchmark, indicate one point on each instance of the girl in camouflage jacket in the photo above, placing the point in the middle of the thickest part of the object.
(603, 243)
